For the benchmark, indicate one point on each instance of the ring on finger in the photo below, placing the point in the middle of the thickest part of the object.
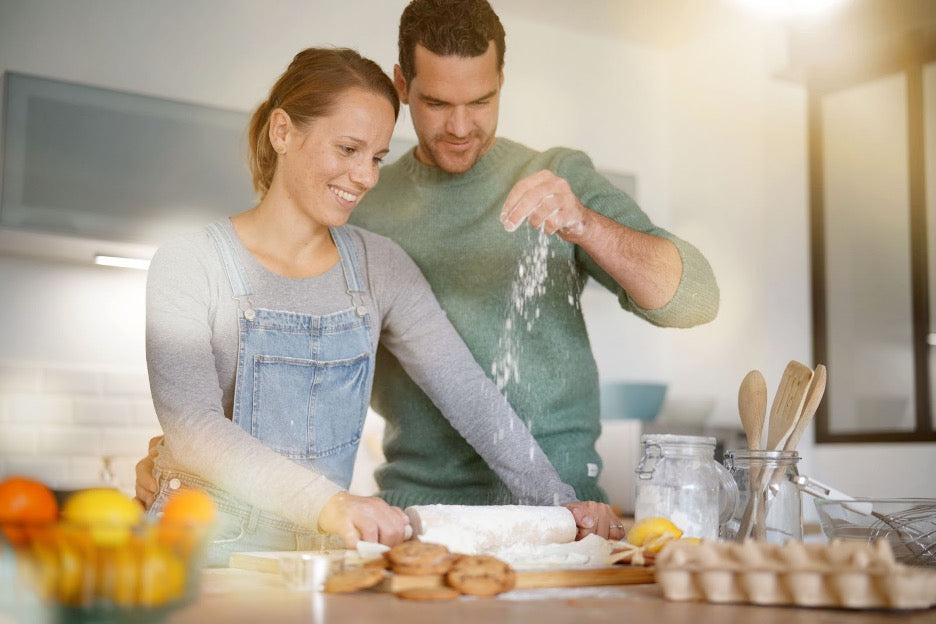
(616, 526)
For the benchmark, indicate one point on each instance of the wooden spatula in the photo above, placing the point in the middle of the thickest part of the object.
(787, 404)
(813, 397)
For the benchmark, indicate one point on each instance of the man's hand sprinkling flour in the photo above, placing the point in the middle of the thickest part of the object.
(545, 201)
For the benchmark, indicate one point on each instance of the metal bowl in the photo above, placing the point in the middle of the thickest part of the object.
(908, 524)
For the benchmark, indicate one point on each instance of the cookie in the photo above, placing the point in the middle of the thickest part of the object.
(429, 593)
(354, 579)
(418, 558)
(379, 562)
(480, 575)
(436, 566)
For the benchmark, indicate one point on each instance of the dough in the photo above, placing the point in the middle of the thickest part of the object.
(590, 552)
(486, 529)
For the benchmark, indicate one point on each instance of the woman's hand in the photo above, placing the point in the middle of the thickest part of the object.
(597, 518)
(363, 518)
(146, 486)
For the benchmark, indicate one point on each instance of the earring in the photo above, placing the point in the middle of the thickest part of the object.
(280, 149)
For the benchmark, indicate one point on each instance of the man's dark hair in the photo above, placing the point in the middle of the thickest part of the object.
(449, 28)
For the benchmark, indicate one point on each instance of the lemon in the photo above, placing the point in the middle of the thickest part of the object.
(652, 533)
(117, 572)
(107, 513)
(161, 576)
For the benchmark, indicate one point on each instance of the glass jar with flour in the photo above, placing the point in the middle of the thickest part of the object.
(679, 479)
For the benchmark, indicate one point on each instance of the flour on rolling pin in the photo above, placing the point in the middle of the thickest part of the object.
(523, 536)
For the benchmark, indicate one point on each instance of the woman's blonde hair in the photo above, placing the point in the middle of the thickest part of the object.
(308, 89)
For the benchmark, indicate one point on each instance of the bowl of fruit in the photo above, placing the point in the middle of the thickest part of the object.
(96, 557)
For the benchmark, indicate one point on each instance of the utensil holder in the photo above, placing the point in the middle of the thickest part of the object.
(770, 507)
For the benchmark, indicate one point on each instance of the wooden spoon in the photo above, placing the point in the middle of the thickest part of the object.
(752, 406)
(813, 397)
(787, 404)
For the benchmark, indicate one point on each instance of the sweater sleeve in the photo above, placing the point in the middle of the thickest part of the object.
(417, 332)
(185, 284)
(697, 297)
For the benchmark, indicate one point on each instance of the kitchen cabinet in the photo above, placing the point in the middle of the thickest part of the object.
(89, 162)
(88, 170)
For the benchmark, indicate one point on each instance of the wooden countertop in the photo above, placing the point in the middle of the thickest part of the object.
(241, 596)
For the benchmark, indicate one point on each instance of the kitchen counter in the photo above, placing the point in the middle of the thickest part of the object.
(234, 596)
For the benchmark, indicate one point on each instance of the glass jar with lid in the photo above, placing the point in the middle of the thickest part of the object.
(679, 479)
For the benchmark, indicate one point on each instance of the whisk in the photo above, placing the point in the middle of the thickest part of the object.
(910, 529)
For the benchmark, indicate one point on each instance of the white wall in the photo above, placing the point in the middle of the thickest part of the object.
(717, 146)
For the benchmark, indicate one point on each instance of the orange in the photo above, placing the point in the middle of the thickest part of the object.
(25, 502)
(190, 506)
(186, 518)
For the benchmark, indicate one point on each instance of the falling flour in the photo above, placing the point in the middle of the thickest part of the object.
(528, 285)
(523, 307)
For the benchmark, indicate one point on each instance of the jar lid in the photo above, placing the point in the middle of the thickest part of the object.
(669, 438)
(745, 453)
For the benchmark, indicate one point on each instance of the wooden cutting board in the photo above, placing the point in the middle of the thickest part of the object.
(526, 579)
(533, 579)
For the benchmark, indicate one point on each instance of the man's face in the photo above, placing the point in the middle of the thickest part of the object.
(454, 105)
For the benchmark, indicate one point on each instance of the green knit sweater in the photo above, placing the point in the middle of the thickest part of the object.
(450, 226)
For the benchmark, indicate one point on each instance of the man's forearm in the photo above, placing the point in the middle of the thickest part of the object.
(648, 267)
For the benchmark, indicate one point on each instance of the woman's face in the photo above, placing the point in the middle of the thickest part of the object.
(332, 162)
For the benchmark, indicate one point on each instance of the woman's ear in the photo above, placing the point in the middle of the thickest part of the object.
(280, 127)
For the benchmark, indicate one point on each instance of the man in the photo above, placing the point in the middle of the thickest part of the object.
(457, 204)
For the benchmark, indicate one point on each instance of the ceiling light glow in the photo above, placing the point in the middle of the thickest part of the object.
(790, 9)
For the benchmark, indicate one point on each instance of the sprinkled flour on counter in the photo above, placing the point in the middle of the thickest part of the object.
(590, 551)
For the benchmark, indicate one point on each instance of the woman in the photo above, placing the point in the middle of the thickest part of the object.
(262, 332)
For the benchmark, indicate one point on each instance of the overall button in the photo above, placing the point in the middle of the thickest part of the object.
(250, 314)
(174, 484)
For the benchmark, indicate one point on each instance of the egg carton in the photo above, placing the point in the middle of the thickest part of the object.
(849, 575)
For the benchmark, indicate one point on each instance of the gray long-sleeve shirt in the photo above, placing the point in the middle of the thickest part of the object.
(191, 350)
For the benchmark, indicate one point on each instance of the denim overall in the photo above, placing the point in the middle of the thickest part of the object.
(302, 388)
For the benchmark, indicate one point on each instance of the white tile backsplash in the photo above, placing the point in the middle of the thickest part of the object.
(125, 384)
(18, 440)
(19, 379)
(59, 422)
(39, 409)
(71, 381)
(103, 411)
(69, 441)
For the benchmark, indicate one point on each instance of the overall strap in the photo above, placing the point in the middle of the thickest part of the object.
(349, 265)
(233, 266)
